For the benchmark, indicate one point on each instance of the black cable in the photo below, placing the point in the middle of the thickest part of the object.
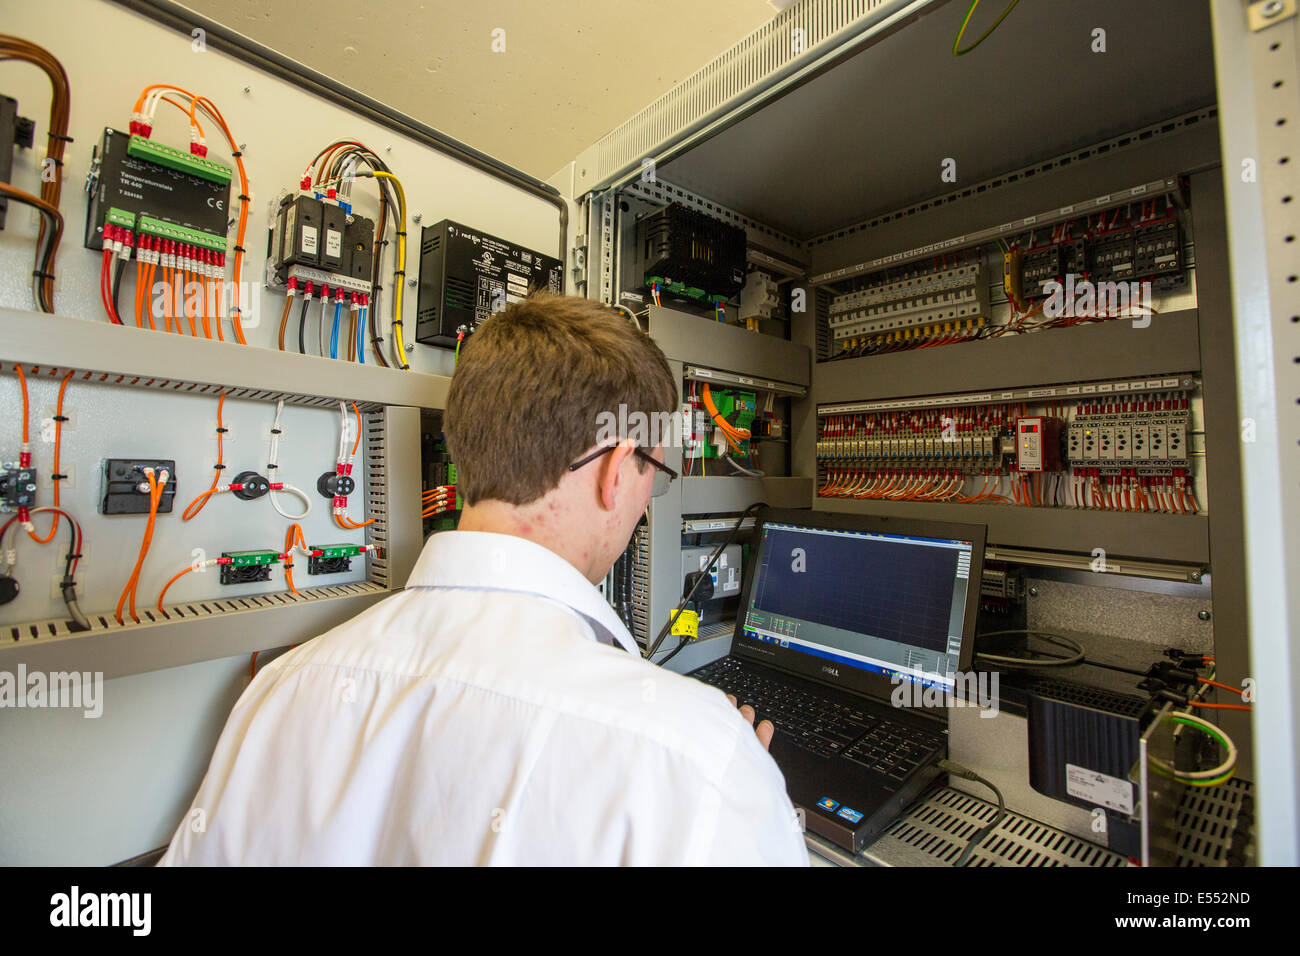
(374, 329)
(117, 285)
(302, 319)
(672, 618)
(957, 770)
(68, 586)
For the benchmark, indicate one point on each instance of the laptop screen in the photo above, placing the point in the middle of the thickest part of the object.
(888, 604)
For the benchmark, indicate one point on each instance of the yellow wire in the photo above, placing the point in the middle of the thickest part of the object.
(399, 281)
(971, 12)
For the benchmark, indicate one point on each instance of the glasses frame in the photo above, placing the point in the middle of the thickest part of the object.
(661, 468)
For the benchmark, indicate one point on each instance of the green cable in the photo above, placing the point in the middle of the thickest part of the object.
(1208, 730)
(965, 23)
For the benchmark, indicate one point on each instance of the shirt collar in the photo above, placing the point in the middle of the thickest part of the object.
(504, 562)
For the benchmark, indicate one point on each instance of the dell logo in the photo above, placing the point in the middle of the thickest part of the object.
(833, 671)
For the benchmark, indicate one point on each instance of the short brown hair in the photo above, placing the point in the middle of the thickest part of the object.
(532, 386)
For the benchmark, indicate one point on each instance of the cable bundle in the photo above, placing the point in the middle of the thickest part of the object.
(47, 204)
(334, 168)
(438, 500)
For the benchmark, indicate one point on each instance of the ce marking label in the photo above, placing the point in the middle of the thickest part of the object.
(216, 203)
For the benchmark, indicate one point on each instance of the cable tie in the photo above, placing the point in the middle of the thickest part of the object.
(42, 275)
(245, 198)
(219, 467)
(240, 249)
(402, 233)
(66, 139)
(51, 159)
(271, 465)
(222, 430)
(277, 431)
(399, 272)
(57, 477)
(75, 557)
(61, 418)
(236, 154)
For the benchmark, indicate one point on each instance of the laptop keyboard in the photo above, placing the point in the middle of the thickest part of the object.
(822, 726)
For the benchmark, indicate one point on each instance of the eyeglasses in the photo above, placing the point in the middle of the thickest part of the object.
(664, 475)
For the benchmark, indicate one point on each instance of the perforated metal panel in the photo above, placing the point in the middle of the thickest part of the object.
(1211, 820)
(935, 833)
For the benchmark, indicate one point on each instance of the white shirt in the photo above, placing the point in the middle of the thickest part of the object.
(494, 712)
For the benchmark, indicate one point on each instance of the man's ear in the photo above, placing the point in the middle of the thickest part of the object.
(610, 481)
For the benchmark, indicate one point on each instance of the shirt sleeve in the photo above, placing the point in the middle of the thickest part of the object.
(757, 825)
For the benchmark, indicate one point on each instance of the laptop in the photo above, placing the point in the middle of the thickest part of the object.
(840, 616)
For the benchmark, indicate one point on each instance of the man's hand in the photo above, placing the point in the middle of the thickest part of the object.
(764, 730)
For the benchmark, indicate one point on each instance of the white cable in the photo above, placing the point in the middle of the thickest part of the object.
(1229, 761)
(302, 496)
(742, 469)
(273, 464)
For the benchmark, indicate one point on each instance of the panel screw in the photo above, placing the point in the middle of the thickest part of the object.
(1271, 8)
(388, 149)
(1033, 592)
(1203, 615)
(412, 282)
(247, 90)
(417, 218)
(410, 346)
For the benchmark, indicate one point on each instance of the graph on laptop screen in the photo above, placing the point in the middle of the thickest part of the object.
(890, 604)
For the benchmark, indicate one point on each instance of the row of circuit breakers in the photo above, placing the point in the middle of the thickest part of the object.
(1120, 248)
(1121, 436)
(172, 209)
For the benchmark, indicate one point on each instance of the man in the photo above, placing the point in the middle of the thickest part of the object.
(496, 711)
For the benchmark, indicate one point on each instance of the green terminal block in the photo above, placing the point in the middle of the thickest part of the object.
(336, 550)
(249, 559)
(679, 288)
(120, 217)
(451, 474)
(166, 230)
(737, 408)
(180, 160)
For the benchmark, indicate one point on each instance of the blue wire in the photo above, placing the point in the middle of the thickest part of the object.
(361, 337)
(334, 335)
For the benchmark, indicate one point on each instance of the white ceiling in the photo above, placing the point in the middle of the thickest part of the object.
(571, 71)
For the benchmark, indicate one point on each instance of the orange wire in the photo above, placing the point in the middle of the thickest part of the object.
(22, 381)
(202, 500)
(356, 444)
(1197, 703)
(291, 537)
(174, 579)
(58, 443)
(155, 496)
(1214, 683)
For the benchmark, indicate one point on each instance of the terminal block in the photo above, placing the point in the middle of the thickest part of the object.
(333, 558)
(247, 567)
(124, 487)
(17, 487)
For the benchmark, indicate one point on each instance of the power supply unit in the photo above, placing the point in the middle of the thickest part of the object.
(690, 254)
(466, 275)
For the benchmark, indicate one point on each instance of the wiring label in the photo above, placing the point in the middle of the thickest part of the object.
(1099, 788)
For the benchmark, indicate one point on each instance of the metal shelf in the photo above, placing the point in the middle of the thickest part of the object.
(1183, 538)
(1078, 354)
(695, 340)
(130, 356)
(209, 629)
(731, 494)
